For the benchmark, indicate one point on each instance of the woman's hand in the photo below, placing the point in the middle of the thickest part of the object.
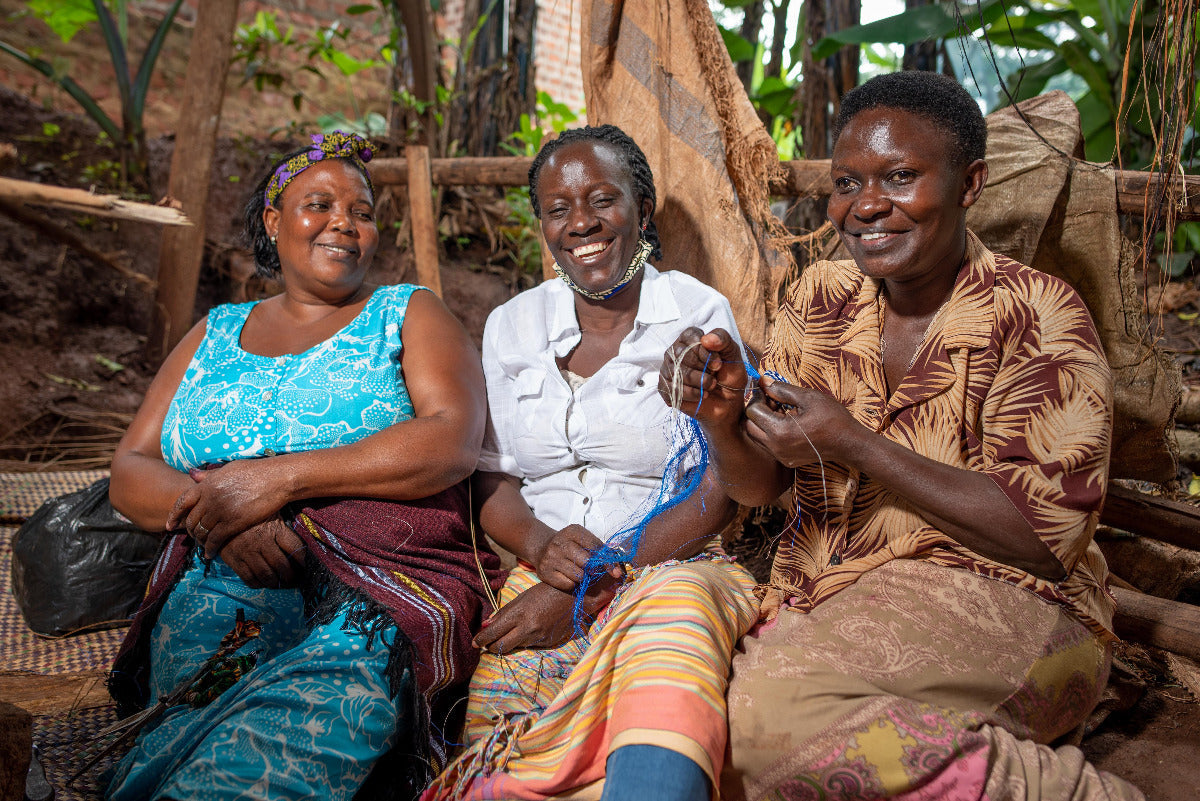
(711, 377)
(229, 500)
(798, 425)
(540, 617)
(561, 558)
(269, 555)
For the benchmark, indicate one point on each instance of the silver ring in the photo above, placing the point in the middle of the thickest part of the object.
(203, 529)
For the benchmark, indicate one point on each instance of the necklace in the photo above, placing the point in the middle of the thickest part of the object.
(924, 334)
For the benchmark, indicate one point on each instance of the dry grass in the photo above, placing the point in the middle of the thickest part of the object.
(64, 439)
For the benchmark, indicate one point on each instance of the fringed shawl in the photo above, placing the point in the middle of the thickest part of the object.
(413, 562)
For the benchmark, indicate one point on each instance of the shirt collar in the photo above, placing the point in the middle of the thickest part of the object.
(656, 304)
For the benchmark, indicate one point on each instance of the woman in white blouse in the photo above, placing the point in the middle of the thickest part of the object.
(577, 441)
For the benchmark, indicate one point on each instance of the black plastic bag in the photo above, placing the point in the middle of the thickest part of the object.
(79, 564)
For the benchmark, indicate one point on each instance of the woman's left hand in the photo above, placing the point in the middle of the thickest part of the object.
(540, 617)
(228, 500)
(799, 425)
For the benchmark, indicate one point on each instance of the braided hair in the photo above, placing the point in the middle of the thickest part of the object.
(254, 229)
(931, 95)
(634, 158)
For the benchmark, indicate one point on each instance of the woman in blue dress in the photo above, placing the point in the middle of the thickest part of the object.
(305, 457)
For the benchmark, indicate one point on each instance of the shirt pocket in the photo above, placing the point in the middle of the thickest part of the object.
(529, 383)
(632, 378)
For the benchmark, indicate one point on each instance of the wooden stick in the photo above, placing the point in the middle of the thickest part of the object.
(424, 226)
(1188, 443)
(180, 253)
(69, 238)
(497, 171)
(804, 178)
(1151, 516)
(1189, 407)
(80, 200)
(53, 695)
(1165, 624)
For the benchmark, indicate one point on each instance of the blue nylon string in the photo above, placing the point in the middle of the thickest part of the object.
(677, 485)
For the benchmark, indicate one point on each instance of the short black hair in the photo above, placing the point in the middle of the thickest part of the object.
(254, 229)
(932, 95)
(635, 160)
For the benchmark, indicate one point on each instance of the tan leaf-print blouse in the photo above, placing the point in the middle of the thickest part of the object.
(1010, 381)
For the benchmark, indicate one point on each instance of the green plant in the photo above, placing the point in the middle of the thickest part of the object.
(521, 234)
(68, 17)
(1084, 40)
(264, 52)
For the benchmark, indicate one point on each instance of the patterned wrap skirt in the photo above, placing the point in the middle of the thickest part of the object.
(652, 670)
(917, 682)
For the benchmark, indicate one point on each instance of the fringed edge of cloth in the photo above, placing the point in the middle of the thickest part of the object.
(402, 772)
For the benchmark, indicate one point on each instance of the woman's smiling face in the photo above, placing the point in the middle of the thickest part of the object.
(325, 227)
(899, 200)
(591, 217)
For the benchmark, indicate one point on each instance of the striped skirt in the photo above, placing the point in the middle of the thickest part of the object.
(652, 671)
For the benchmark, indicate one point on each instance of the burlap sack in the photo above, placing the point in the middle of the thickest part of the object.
(1046, 208)
(661, 72)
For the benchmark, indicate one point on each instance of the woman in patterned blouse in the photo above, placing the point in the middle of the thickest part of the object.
(936, 612)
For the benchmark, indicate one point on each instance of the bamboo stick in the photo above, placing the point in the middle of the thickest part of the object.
(85, 202)
(802, 178)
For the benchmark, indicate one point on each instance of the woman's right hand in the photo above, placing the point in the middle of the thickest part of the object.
(269, 555)
(560, 559)
(711, 377)
(540, 617)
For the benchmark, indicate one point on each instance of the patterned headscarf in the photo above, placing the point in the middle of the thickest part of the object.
(336, 145)
(644, 248)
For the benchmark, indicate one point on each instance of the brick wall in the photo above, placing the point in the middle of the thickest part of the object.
(556, 47)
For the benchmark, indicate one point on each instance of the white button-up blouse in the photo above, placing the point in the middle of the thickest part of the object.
(594, 457)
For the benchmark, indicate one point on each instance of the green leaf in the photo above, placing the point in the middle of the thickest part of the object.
(65, 17)
(739, 49)
(50, 130)
(1026, 39)
(108, 363)
(359, 9)
(914, 25)
(1029, 81)
(1079, 60)
(349, 65)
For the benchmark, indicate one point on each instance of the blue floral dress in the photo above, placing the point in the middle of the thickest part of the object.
(316, 711)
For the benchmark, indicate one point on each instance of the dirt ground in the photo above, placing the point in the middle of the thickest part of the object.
(72, 371)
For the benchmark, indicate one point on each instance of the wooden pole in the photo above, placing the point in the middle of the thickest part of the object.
(1151, 516)
(1170, 625)
(85, 202)
(803, 178)
(420, 215)
(182, 250)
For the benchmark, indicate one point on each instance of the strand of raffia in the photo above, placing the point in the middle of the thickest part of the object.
(682, 475)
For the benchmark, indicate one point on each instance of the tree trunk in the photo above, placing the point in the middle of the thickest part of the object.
(921, 55)
(419, 74)
(182, 249)
(495, 84)
(751, 32)
(824, 83)
(774, 67)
